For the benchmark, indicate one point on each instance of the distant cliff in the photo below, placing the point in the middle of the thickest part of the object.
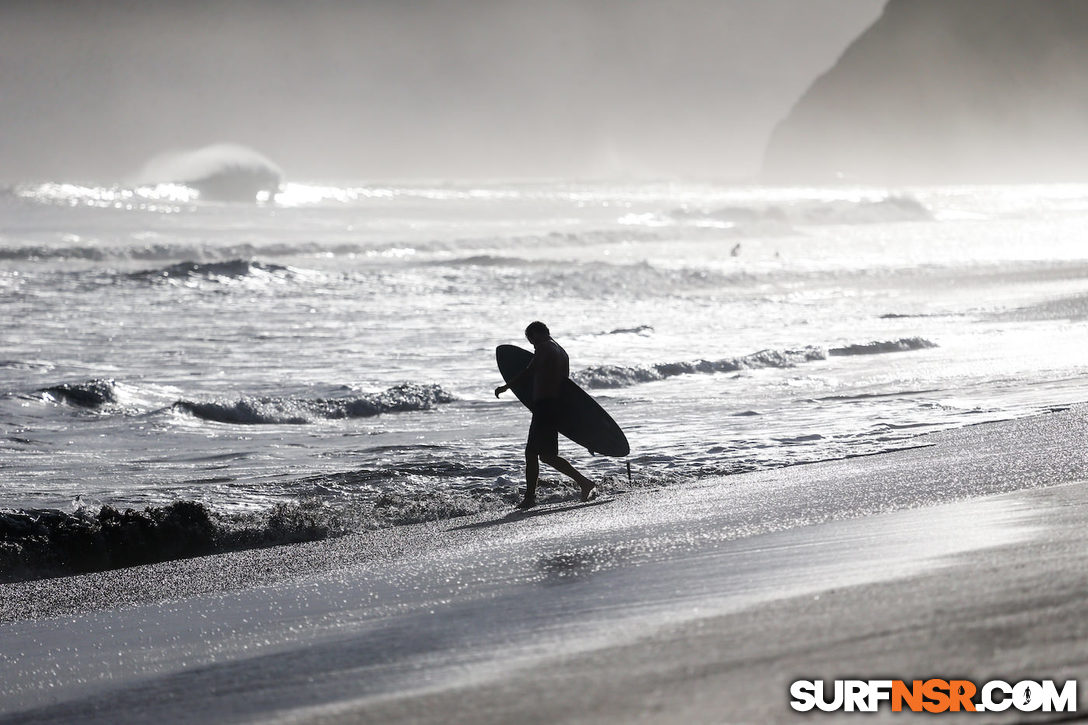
(947, 91)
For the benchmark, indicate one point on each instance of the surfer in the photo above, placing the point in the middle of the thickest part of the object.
(550, 368)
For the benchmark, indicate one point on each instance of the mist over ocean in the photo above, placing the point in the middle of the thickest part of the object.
(328, 359)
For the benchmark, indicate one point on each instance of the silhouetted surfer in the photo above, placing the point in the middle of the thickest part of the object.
(550, 367)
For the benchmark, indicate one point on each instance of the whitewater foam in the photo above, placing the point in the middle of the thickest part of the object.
(619, 376)
(88, 394)
(808, 212)
(278, 410)
(878, 347)
(38, 543)
(226, 271)
(120, 303)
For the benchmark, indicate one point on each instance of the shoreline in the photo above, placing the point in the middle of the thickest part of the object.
(954, 616)
(205, 533)
(455, 606)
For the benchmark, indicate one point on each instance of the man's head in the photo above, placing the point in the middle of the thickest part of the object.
(537, 332)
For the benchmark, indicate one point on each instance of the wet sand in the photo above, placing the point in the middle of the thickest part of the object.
(966, 556)
(1016, 611)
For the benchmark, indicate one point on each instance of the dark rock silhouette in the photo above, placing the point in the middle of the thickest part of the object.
(948, 91)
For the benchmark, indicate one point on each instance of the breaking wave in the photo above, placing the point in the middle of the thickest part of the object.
(220, 172)
(486, 260)
(637, 330)
(155, 252)
(88, 394)
(398, 248)
(895, 208)
(875, 348)
(276, 410)
(49, 542)
(233, 269)
(619, 376)
(107, 395)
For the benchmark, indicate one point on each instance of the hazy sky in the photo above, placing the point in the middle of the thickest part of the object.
(89, 90)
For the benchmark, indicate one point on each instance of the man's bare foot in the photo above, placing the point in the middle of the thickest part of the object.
(527, 503)
(589, 494)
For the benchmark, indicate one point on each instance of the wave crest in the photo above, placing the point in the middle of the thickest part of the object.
(50, 542)
(229, 270)
(619, 376)
(220, 172)
(903, 344)
(893, 208)
(88, 394)
(44, 542)
(169, 251)
(637, 330)
(274, 410)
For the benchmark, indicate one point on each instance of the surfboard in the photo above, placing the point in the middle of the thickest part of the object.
(582, 419)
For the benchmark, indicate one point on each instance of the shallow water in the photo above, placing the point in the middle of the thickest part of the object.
(338, 347)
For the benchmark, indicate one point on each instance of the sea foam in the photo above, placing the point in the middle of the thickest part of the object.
(230, 270)
(812, 212)
(619, 376)
(283, 410)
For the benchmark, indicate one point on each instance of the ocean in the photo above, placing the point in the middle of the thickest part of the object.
(325, 363)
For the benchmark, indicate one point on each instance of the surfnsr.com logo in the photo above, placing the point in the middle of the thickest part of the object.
(933, 695)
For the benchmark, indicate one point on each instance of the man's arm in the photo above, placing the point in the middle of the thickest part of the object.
(503, 388)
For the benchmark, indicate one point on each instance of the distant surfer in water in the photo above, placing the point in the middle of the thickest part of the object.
(550, 368)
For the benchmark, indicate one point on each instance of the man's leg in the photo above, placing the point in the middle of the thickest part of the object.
(563, 466)
(532, 473)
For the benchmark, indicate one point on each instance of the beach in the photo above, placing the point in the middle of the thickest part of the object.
(962, 556)
(806, 287)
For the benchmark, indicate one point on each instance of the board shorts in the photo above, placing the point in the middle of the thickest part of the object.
(544, 430)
